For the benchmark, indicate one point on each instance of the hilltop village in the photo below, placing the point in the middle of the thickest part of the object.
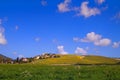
(18, 60)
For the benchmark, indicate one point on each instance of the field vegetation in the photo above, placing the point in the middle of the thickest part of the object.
(64, 67)
(61, 72)
(78, 60)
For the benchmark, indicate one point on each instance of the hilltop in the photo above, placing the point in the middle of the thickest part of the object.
(76, 59)
(57, 59)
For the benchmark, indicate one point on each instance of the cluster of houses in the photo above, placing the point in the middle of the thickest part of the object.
(46, 55)
(27, 60)
(43, 56)
(6, 61)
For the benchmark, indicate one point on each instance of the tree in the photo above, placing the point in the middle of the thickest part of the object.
(17, 59)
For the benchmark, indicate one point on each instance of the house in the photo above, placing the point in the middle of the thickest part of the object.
(37, 57)
(24, 60)
(53, 56)
(46, 55)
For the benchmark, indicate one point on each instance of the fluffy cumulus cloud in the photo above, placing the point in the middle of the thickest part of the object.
(80, 51)
(87, 11)
(100, 1)
(116, 44)
(64, 6)
(91, 37)
(103, 42)
(3, 40)
(61, 50)
(83, 10)
(96, 39)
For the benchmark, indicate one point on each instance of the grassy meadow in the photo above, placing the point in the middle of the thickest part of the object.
(61, 72)
(76, 59)
(66, 67)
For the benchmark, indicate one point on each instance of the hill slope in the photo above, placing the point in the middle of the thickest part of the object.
(75, 59)
(4, 58)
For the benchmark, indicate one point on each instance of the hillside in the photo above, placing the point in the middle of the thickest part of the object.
(75, 59)
(4, 59)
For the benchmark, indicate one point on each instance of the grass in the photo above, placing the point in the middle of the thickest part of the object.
(75, 59)
(45, 70)
(51, 72)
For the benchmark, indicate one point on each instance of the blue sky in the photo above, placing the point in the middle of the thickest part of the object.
(32, 27)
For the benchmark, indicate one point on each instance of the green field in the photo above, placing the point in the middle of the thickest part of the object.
(61, 72)
(76, 59)
(66, 67)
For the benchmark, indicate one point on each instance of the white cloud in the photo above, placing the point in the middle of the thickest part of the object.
(64, 6)
(43, 2)
(96, 39)
(91, 37)
(116, 44)
(103, 42)
(100, 1)
(3, 40)
(61, 50)
(16, 27)
(80, 51)
(76, 39)
(87, 11)
(37, 39)
(83, 10)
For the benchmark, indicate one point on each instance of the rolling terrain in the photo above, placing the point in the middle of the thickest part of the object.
(65, 67)
(75, 59)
